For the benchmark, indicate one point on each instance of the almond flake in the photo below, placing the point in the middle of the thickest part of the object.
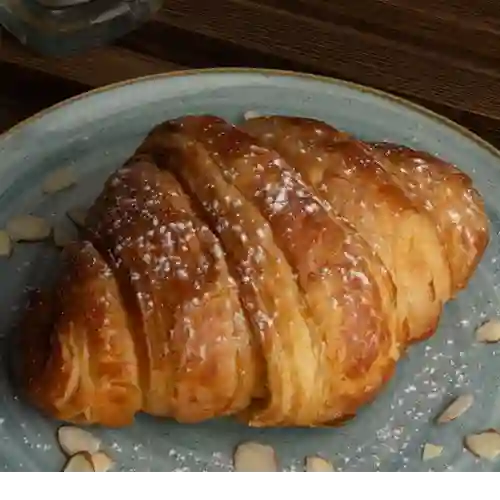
(255, 457)
(101, 461)
(75, 440)
(248, 115)
(77, 215)
(489, 332)
(80, 462)
(5, 244)
(62, 236)
(318, 464)
(456, 409)
(28, 228)
(59, 180)
(431, 451)
(484, 444)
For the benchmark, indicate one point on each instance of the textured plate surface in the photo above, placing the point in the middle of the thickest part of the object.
(96, 132)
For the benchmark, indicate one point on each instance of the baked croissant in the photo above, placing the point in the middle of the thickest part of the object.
(274, 271)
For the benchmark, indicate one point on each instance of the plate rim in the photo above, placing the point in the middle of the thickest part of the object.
(269, 72)
(404, 104)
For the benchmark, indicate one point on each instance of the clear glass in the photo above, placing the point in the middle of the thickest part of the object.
(62, 27)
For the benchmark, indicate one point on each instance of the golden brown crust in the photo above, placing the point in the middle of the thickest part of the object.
(63, 331)
(446, 194)
(323, 292)
(218, 277)
(348, 175)
(191, 337)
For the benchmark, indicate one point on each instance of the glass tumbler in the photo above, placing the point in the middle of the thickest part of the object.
(63, 27)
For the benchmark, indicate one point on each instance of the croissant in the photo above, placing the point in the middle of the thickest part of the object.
(274, 271)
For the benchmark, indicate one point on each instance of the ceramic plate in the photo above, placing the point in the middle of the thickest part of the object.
(96, 132)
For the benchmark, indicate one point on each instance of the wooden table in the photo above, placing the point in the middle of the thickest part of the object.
(444, 54)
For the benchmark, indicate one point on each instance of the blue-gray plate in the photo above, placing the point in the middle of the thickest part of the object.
(95, 132)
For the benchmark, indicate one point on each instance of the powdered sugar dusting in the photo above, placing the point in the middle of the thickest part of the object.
(386, 436)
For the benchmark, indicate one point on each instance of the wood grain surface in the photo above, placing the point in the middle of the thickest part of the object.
(444, 54)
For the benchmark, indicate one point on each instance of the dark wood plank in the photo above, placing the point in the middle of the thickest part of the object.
(32, 90)
(95, 68)
(10, 113)
(485, 11)
(415, 22)
(198, 50)
(342, 50)
(26, 92)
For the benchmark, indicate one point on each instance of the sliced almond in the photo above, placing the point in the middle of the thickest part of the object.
(101, 461)
(489, 332)
(28, 228)
(318, 464)
(456, 409)
(5, 244)
(62, 236)
(431, 451)
(80, 462)
(248, 115)
(484, 444)
(58, 180)
(77, 215)
(255, 457)
(75, 440)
